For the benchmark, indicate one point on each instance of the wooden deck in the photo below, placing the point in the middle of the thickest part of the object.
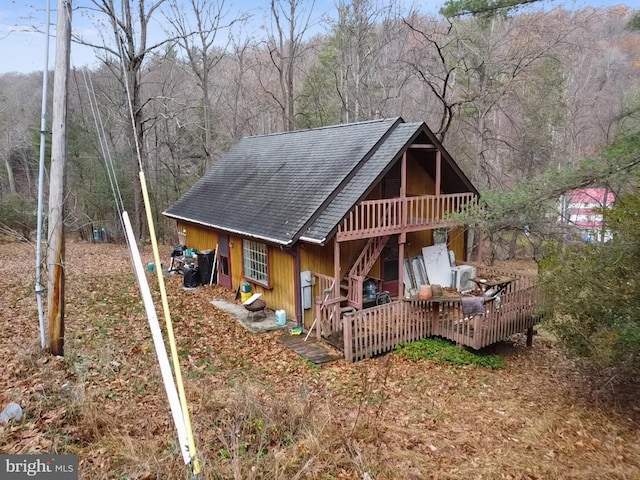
(374, 331)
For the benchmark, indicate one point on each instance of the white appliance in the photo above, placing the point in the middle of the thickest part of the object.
(437, 265)
(461, 276)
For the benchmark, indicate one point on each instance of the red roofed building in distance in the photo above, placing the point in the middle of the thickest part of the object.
(581, 209)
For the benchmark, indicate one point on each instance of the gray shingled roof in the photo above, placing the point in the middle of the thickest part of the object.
(292, 185)
(361, 182)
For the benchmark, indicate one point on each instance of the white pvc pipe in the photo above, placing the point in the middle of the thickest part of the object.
(158, 341)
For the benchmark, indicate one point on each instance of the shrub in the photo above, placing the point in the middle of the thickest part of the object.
(446, 352)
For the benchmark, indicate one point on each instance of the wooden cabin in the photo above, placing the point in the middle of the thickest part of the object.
(313, 218)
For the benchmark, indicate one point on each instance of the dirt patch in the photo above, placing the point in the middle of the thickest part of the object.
(259, 411)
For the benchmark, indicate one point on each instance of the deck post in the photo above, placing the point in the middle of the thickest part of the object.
(438, 172)
(402, 239)
(530, 337)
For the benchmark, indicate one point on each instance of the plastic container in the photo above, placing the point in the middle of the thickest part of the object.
(281, 318)
(370, 289)
(150, 267)
(246, 288)
(425, 292)
(244, 296)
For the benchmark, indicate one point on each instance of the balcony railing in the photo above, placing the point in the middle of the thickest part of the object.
(394, 215)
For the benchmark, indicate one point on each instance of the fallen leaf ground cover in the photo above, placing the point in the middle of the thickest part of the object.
(259, 411)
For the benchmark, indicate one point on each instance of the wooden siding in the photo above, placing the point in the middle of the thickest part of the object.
(456, 242)
(418, 180)
(280, 295)
(315, 258)
(198, 237)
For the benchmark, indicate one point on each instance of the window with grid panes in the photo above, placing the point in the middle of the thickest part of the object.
(254, 261)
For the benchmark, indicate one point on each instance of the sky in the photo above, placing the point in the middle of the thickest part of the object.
(23, 46)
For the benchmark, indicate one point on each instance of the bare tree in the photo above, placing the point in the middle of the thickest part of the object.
(431, 61)
(364, 31)
(17, 117)
(290, 22)
(197, 31)
(124, 55)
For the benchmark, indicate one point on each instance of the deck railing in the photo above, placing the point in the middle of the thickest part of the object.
(327, 305)
(354, 295)
(378, 330)
(393, 215)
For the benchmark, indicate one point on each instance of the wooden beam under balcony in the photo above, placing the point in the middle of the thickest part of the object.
(422, 146)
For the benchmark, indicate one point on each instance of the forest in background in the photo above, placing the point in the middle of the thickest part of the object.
(513, 94)
(529, 103)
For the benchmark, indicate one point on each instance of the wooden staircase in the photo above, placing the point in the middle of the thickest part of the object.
(353, 283)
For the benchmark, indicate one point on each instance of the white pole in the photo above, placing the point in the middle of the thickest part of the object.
(156, 333)
(43, 145)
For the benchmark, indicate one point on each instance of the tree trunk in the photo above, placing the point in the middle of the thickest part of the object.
(12, 183)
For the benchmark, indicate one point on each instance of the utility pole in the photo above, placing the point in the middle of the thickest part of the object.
(57, 183)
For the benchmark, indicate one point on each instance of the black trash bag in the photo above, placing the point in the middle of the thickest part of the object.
(191, 278)
(205, 266)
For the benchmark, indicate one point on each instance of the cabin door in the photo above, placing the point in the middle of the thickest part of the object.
(390, 266)
(224, 263)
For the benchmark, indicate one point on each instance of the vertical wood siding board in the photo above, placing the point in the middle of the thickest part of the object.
(361, 345)
(374, 319)
(406, 308)
(398, 313)
(384, 337)
(391, 327)
(394, 331)
(410, 313)
(361, 334)
(379, 334)
(387, 329)
(394, 314)
(373, 344)
(358, 339)
(346, 339)
(491, 327)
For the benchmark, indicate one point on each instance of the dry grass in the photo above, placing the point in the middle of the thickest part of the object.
(261, 412)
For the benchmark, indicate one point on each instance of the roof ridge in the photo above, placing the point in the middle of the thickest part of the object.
(326, 127)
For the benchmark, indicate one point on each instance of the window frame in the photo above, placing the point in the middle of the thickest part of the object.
(260, 252)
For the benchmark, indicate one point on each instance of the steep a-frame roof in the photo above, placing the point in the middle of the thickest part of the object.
(298, 185)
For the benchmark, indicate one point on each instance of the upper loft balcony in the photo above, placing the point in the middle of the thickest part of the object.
(371, 218)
